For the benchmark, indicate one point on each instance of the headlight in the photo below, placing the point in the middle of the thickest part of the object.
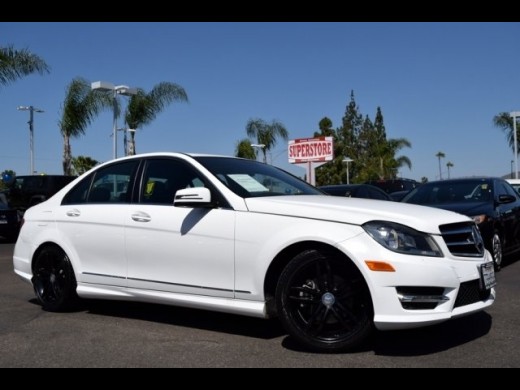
(479, 219)
(402, 239)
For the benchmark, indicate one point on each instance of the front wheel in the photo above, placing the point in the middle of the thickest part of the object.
(54, 281)
(324, 302)
(496, 246)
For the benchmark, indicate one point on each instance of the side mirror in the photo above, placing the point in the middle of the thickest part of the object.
(504, 199)
(193, 197)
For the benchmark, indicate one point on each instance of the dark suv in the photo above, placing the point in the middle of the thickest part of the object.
(394, 185)
(27, 191)
(24, 192)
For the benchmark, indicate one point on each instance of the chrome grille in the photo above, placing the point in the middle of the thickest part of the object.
(463, 239)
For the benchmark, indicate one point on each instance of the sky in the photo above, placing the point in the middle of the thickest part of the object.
(438, 84)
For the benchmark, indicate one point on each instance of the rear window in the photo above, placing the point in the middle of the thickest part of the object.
(390, 186)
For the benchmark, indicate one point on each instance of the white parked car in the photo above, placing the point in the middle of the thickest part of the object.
(243, 237)
(515, 183)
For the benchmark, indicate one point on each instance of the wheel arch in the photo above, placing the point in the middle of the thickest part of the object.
(284, 257)
(41, 248)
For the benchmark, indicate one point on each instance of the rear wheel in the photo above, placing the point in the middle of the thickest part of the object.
(496, 246)
(324, 302)
(54, 281)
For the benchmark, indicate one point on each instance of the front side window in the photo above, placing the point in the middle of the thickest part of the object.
(111, 184)
(164, 177)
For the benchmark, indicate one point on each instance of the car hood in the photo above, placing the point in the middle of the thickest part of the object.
(355, 211)
(470, 209)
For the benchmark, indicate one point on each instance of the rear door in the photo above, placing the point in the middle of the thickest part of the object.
(92, 219)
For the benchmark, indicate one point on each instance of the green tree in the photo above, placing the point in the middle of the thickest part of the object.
(266, 134)
(440, 155)
(391, 163)
(15, 64)
(7, 173)
(449, 165)
(82, 164)
(80, 107)
(330, 172)
(353, 124)
(424, 180)
(365, 142)
(245, 150)
(504, 121)
(144, 107)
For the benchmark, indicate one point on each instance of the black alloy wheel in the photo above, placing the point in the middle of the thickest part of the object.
(497, 251)
(54, 281)
(324, 302)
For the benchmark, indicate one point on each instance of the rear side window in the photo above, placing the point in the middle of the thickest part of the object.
(112, 184)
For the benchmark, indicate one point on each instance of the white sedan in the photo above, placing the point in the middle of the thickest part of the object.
(243, 237)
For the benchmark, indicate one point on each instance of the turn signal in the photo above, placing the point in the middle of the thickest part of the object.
(379, 266)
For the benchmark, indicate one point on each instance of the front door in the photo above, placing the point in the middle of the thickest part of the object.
(178, 249)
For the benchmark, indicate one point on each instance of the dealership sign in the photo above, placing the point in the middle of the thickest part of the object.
(306, 150)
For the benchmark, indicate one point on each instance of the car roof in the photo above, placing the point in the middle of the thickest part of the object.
(344, 186)
(464, 179)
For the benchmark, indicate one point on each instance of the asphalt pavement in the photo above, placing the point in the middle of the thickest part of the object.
(119, 334)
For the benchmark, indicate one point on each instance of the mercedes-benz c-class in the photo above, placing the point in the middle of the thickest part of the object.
(243, 237)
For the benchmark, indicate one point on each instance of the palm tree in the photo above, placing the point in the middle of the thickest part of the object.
(245, 150)
(440, 155)
(144, 107)
(504, 121)
(15, 64)
(80, 107)
(83, 164)
(390, 163)
(266, 134)
(449, 165)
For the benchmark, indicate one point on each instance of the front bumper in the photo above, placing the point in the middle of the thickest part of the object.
(450, 284)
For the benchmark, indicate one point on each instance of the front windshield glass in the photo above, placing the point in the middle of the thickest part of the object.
(465, 191)
(251, 179)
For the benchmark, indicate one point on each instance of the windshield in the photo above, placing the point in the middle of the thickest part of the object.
(451, 192)
(251, 179)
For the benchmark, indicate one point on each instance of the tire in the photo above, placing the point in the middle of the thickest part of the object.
(54, 281)
(496, 251)
(324, 303)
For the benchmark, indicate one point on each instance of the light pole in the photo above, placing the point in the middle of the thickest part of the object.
(262, 147)
(116, 90)
(514, 115)
(31, 110)
(512, 162)
(348, 160)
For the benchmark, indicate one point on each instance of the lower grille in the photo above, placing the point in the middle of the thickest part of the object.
(470, 293)
(420, 298)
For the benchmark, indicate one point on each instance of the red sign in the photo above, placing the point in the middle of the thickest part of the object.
(311, 150)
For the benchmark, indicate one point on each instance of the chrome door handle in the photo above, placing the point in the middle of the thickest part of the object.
(73, 213)
(141, 217)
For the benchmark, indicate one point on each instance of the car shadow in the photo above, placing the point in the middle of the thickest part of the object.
(433, 339)
(189, 318)
(4, 240)
(411, 342)
(510, 260)
(421, 341)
